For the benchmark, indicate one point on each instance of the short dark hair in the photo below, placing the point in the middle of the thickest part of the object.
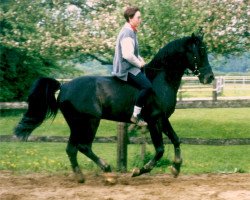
(130, 12)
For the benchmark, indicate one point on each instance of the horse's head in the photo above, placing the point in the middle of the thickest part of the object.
(198, 60)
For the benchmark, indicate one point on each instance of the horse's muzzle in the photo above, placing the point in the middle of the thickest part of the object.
(207, 78)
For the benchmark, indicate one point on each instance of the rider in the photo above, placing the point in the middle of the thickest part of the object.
(127, 63)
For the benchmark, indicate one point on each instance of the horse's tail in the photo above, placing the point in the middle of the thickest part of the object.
(42, 104)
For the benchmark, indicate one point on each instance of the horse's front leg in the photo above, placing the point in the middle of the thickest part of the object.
(169, 131)
(156, 136)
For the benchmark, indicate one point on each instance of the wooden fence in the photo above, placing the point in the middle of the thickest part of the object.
(122, 138)
(192, 85)
(236, 79)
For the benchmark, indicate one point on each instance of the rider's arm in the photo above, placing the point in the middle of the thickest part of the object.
(127, 46)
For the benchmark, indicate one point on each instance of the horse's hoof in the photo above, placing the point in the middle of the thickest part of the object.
(174, 171)
(136, 172)
(107, 168)
(110, 178)
(78, 175)
(80, 178)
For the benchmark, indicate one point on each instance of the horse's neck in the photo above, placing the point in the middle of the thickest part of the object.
(173, 77)
(171, 60)
(172, 74)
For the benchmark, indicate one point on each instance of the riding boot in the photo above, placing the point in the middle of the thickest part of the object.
(136, 117)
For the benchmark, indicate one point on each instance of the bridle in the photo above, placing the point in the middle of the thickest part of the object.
(196, 71)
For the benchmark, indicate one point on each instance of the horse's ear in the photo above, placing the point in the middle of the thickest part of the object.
(202, 36)
(193, 36)
(201, 33)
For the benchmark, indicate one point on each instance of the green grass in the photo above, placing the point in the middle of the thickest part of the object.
(51, 157)
(58, 127)
(193, 123)
(212, 123)
(202, 123)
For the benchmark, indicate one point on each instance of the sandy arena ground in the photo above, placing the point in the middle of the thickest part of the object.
(145, 187)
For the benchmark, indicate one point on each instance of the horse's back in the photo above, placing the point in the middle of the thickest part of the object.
(99, 96)
(110, 98)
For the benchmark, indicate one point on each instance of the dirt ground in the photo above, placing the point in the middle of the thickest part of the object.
(145, 187)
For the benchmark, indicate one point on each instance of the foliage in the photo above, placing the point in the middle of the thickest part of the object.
(40, 33)
(22, 59)
(225, 31)
(226, 23)
(60, 28)
(18, 70)
(230, 63)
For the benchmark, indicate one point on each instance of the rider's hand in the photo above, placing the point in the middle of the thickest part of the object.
(142, 63)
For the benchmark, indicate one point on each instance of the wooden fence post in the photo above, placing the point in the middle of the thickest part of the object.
(122, 147)
(215, 90)
(143, 148)
(180, 93)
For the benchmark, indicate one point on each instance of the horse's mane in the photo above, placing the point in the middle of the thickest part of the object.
(168, 56)
(168, 51)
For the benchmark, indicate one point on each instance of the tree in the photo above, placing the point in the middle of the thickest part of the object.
(224, 23)
(39, 33)
(32, 41)
(20, 56)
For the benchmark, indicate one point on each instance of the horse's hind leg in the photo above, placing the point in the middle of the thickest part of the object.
(87, 150)
(169, 131)
(89, 128)
(72, 150)
(83, 129)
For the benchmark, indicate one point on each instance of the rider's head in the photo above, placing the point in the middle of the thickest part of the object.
(133, 16)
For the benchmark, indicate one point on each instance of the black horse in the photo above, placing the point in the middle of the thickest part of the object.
(84, 101)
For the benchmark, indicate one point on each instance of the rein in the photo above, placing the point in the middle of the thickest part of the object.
(154, 68)
(195, 72)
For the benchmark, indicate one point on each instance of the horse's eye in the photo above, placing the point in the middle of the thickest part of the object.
(203, 50)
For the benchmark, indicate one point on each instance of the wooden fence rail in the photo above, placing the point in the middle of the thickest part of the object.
(122, 139)
(135, 140)
(187, 103)
(192, 85)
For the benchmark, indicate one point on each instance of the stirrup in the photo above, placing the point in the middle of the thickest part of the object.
(138, 121)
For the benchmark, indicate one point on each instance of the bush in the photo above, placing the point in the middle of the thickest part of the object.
(18, 70)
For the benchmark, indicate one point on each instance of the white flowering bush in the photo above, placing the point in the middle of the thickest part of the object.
(44, 31)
